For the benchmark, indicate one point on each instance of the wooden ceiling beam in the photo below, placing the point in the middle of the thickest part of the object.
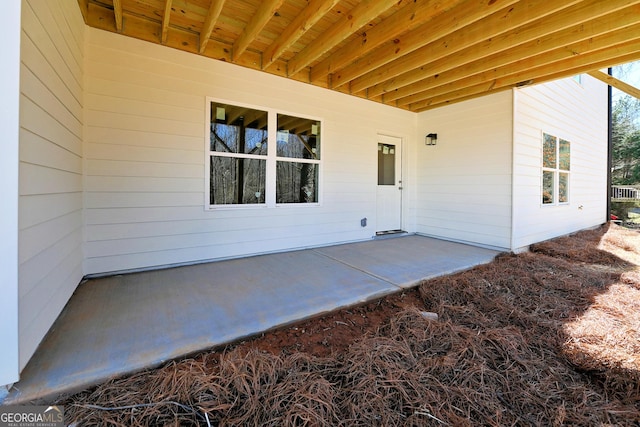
(523, 26)
(483, 90)
(578, 35)
(573, 64)
(591, 48)
(311, 14)
(260, 18)
(84, 9)
(551, 65)
(186, 41)
(446, 23)
(209, 22)
(406, 19)
(117, 13)
(455, 49)
(362, 14)
(166, 17)
(618, 84)
(628, 52)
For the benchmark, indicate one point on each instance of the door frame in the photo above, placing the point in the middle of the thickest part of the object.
(400, 176)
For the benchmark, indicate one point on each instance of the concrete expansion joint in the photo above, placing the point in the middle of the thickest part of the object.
(362, 270)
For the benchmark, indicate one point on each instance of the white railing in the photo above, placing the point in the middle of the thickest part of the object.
(625, 192)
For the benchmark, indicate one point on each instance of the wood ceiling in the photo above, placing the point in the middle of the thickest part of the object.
(411, 54)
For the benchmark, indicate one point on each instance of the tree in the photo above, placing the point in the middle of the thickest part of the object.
(626, 128)
(626, 141)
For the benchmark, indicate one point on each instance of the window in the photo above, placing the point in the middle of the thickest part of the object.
(556, 164)
(298, 159)
(251, 163)
(238, 149)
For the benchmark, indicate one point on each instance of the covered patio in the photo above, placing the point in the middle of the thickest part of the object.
(125, 323)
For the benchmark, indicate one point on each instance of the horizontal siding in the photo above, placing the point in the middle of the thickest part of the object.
(552, 108)
(464, 182)
(51, 168)
(144, 159)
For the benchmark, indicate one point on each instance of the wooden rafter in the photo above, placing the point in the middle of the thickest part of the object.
(570, 65)
(470, 62)
(580, 36)
(210, 21)
(264, 13)
(475, 46)
(618, 84)
(460, 16)
(411, 54)
(359, 16)
(314, 11)
(117, 13)
(565, 57)
(165, 21)
(84, 9)
(406, 19)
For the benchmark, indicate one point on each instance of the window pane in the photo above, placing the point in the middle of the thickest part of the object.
(547, 187)
(236, 181)
(549, 151)
(386, 164)
(298, 138)
(296, 182)
(564, 155)
(563, 187)
(238, 129)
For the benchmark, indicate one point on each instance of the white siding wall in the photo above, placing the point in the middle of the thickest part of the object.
(577, 113)
(50, 203)
(464, 182)
(144, 132)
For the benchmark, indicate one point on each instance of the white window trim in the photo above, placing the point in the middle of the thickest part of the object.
(271, 159)
(556, 172)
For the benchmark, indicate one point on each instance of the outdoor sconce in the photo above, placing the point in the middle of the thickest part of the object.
(431, 139)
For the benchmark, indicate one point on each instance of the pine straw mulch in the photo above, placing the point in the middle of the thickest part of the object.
(549, 337)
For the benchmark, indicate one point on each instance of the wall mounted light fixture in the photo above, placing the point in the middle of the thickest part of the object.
(431, 139)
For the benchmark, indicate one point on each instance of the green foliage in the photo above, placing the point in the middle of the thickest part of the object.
(626, 141)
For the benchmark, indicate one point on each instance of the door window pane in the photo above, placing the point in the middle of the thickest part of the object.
(547, 187)
(237, 180)
(386, 164)
(296, 182)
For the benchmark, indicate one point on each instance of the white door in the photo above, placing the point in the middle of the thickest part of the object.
(389, 194)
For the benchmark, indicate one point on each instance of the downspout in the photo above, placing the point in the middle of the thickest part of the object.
(609, 145)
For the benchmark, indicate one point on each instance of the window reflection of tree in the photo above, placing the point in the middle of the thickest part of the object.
(237, 180)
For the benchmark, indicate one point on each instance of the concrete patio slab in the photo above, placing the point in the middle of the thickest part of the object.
(406, 260)
(122, 324)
